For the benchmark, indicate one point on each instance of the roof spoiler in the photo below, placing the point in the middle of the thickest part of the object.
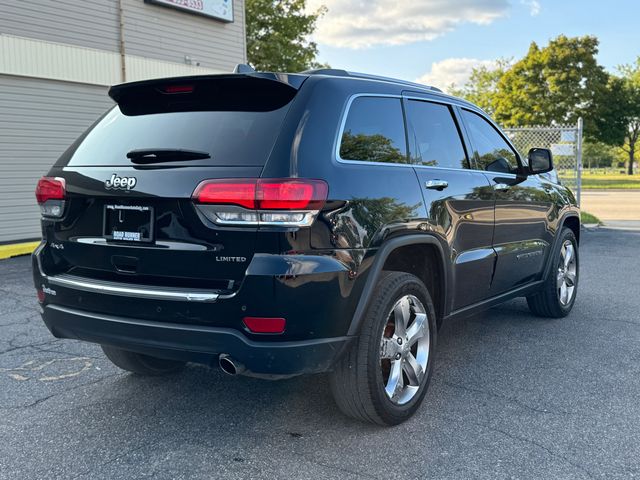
(227, 92)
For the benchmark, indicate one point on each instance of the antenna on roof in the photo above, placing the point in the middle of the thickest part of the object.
(244, 68)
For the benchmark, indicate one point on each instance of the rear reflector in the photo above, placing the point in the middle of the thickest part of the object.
(40, 294)
(265, 325)
(263, 193)
(50, 188)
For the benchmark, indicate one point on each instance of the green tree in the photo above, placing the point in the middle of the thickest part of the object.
(372, 148)
(599, 155)
(278, 35)
(372, 214)
(554, 84)
(617, 116)
(482, 85)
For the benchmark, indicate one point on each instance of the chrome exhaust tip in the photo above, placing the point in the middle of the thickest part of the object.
(229, 366)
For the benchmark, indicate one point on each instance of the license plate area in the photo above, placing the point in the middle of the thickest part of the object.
(128, 223)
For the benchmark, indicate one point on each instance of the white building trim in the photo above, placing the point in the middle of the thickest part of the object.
(140, 68)
(57, 61)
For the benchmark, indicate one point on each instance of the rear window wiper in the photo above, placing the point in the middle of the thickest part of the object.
(159, 155)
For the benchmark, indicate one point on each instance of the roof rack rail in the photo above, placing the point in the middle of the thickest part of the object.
(394, 80)
(327, 71)
(344, 73)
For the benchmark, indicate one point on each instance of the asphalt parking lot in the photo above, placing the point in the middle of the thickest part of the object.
(512, 396)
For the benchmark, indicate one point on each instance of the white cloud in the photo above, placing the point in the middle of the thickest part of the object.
(362, 23)
(533, 5)
(453, 71)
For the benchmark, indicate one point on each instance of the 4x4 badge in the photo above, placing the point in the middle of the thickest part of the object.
(116, 182)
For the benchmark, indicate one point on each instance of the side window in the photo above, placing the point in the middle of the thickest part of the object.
(433, 135)
(493, 153)
(374, 131)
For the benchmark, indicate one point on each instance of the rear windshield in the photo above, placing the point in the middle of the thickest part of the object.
(231, 138)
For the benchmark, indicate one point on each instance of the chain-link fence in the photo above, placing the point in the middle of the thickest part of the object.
(565, 143)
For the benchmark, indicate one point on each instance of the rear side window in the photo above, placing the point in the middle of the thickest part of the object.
(374, 131)
(493, 153)
(433, 135)
(231, 138)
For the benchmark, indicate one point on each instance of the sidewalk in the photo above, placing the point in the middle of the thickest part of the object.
(616, 208)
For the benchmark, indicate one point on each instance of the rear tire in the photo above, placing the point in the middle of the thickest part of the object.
(559, 290)
(141, 364)
(384, 376)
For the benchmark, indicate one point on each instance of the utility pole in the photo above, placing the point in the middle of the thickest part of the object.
(579, 160)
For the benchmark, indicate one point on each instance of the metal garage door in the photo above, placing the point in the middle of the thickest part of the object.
(39, 119)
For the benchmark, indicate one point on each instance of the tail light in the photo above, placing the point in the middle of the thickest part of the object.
(50, 194)
(264, 201)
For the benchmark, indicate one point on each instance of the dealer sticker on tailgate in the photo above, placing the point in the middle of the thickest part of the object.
(128, 223)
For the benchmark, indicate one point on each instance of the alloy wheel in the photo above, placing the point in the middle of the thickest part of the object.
(567, 271)
(404, 349)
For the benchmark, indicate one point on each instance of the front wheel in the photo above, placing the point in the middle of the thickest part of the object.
(558, 293)
(384, 376)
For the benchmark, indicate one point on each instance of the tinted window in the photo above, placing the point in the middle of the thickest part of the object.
(433, 136)
(493, 152)
(374, 131)
(230, 137)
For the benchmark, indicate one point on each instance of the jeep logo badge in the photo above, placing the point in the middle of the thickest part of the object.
(123, 183)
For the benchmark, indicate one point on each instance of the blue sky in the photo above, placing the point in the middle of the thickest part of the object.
(438, 41)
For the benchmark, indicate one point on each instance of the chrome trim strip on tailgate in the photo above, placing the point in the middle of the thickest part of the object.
(139, 291)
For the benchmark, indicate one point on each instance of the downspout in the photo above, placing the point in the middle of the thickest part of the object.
(244, 33)
(123, 64)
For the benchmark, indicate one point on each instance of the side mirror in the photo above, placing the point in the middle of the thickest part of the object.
(540, 161)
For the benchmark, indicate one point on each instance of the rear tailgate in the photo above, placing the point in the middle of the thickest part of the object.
(131, 221)
(182, 249)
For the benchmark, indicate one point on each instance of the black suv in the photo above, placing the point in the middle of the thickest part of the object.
(285, 224)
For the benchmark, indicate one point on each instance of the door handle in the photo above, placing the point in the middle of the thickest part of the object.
(436, 184)
(501, 187)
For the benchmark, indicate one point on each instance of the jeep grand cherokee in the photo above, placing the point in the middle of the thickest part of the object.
(286, 224)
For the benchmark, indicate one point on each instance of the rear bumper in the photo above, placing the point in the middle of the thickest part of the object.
(315, 293)
(201, 344)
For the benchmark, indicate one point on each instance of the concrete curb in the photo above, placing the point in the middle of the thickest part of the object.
(15, 249)
(621, 227)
